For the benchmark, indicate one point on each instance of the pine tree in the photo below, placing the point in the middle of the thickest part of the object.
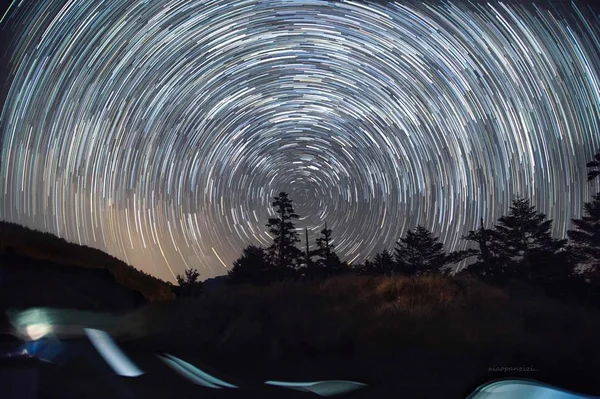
(366, 268)
(585, 238)
(252, 267)
(324, 245)
(383, 263)
(329, 261)
(487, 264)
(584, 245)
(593, 167)
(522, 238)
(285, 236)
(420, 253)
(309, 264)
(307, 254)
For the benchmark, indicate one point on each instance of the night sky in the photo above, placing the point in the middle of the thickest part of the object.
(159, 131)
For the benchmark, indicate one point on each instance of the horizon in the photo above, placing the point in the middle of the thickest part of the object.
(161, 138)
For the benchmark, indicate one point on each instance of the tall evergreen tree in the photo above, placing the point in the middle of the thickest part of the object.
(420, 253)
(324, 246)
(585, 238)
(252, 267)
(366, 268)
(487, 266)
(285, 236)
(329, 261)
(593, 167)
(383, 264)
(584, 246)
(523, 237)
(307, 254)
(310, 266)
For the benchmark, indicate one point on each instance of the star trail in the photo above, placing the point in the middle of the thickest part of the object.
(159, 131)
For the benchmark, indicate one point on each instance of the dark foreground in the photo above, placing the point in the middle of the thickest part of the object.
(428, 337)
(414, 374)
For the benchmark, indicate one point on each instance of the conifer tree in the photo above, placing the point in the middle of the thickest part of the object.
(329, 261)
(487, 265)
(383, 263)
(366, 268)
(585, 238)
(420, 253)
(285, 236)
(252, 267)
(522, 236)
(309, 264)
(593, 167)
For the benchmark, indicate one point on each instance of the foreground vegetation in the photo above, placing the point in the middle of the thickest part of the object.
(417, 336)
(519, 246)
(357, 315)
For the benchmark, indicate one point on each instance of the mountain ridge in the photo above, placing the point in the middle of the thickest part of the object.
(18, 242)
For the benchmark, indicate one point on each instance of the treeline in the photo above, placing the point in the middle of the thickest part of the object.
(518, 246)
(283, 260)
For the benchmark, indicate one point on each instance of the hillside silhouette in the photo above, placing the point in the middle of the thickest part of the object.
(41, 269)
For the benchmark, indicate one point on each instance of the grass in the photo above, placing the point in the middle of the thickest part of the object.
(365, 316)
(413, 337)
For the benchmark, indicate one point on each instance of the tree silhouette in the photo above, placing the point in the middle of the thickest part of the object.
(594, 167)
(519, 245)
(189, 286)
(585, 249)
(455, 258)
(252, 267)
(420, 253)
(487, 265)
(310, 265)
(383, 263)
(329, 261)
(366, 268)
(283, 249)
(522, 236)
(324, 245)
(585, 238)
(584, 245)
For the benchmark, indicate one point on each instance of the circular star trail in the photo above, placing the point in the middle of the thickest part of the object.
(159, 131)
